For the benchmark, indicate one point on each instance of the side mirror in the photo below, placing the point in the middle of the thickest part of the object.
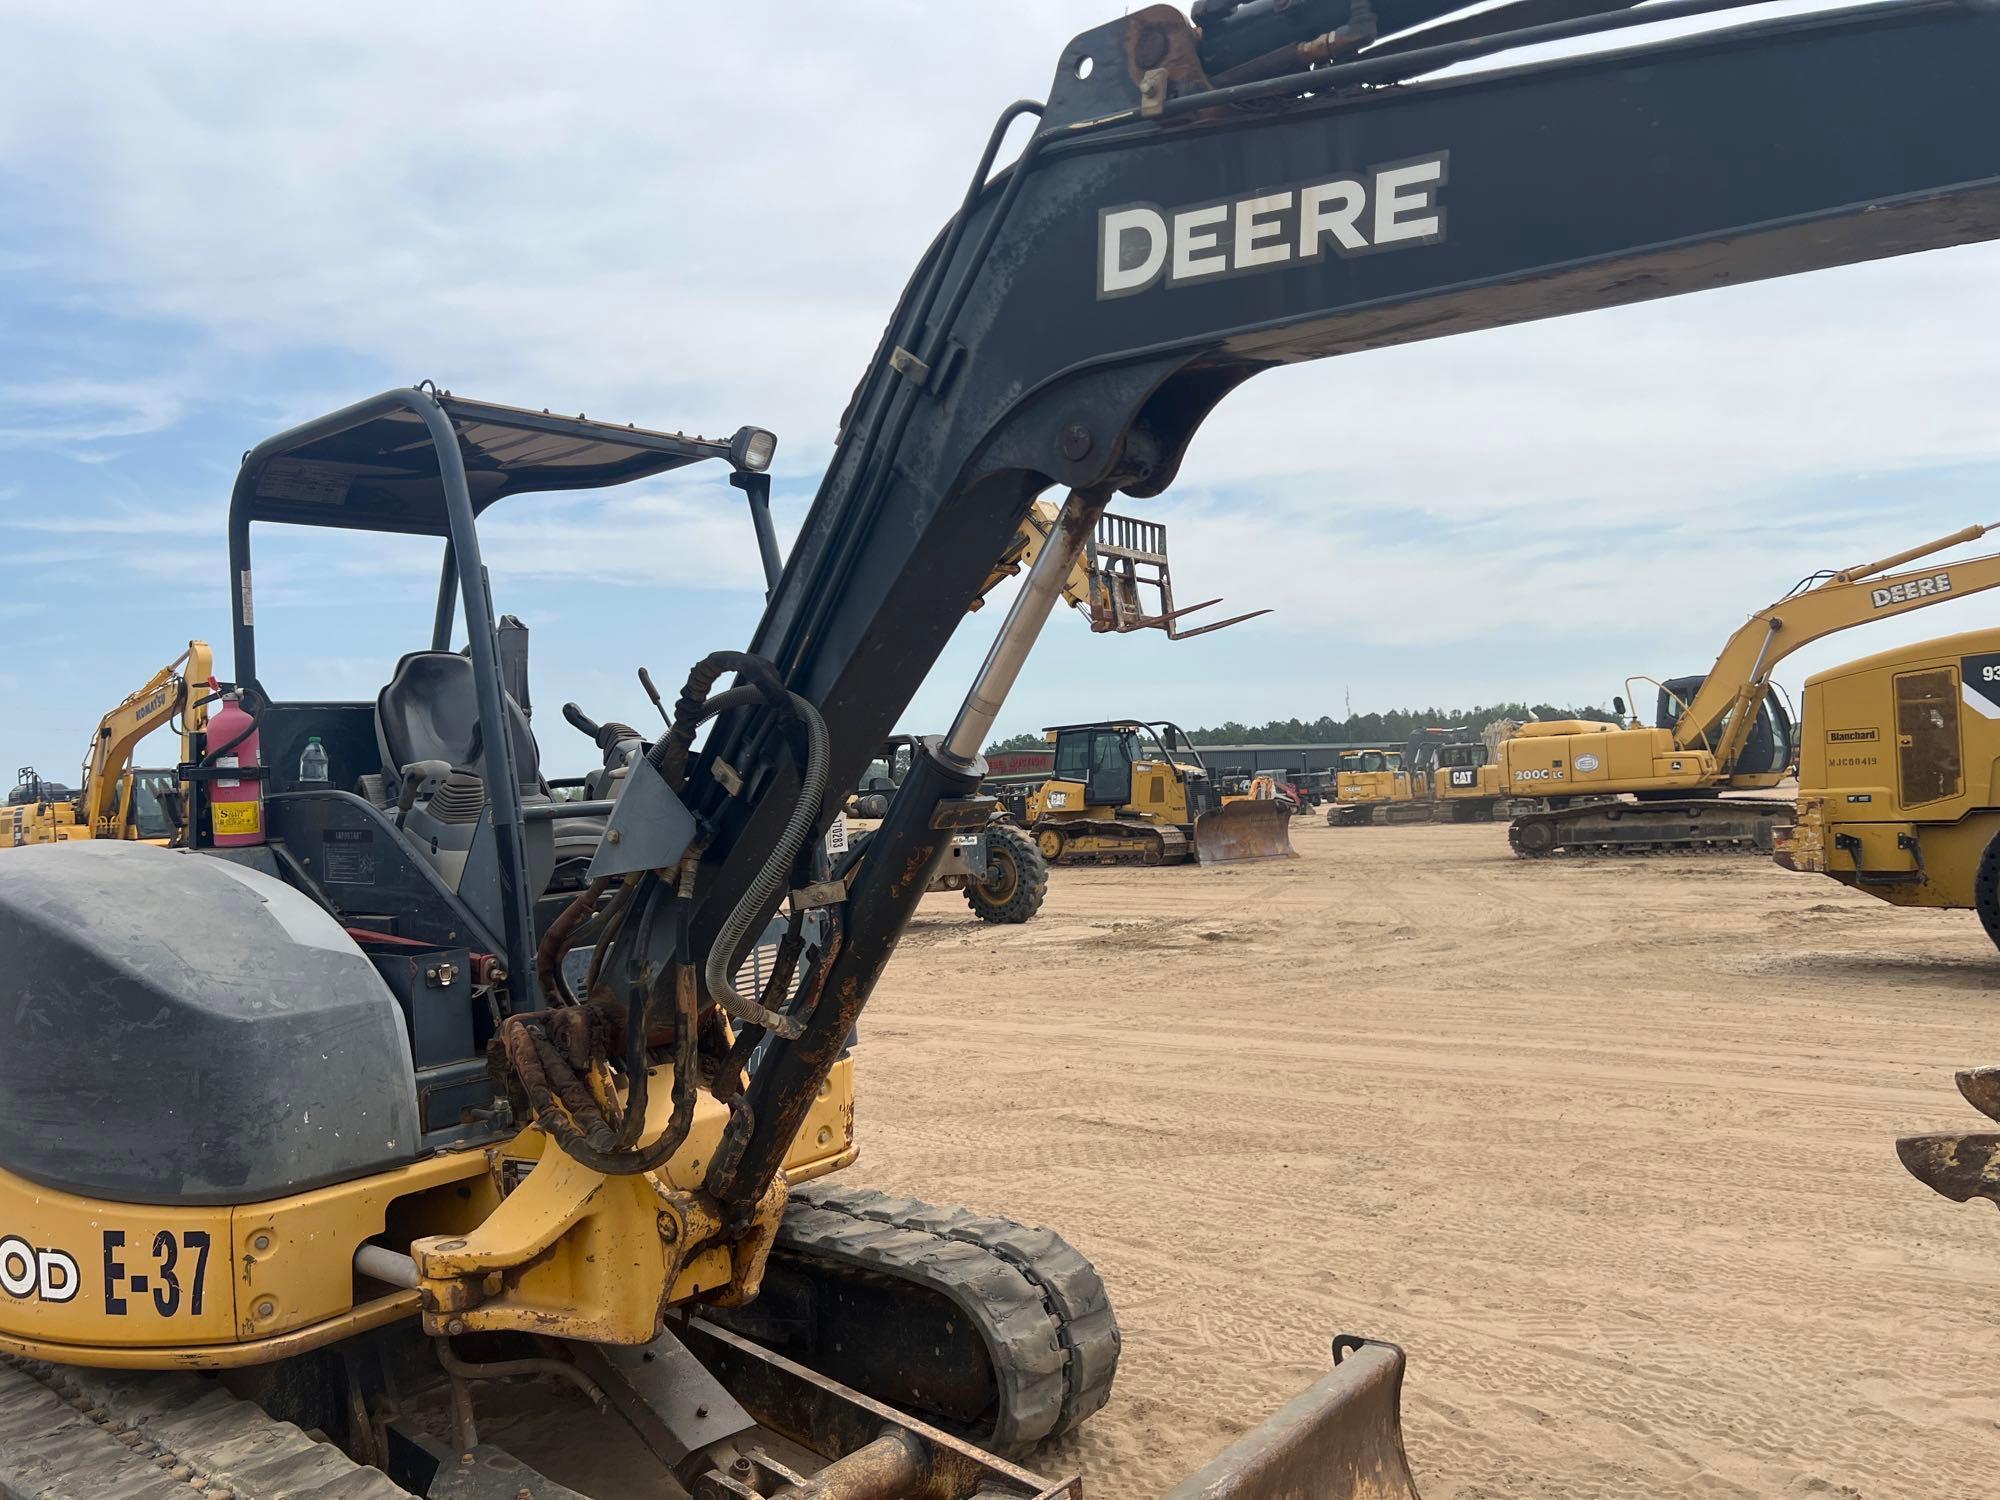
(1173, 739)
(1618, 705)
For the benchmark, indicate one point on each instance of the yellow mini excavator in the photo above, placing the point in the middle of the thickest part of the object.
(1899, 776)
(1722, 732)
(393, 1155)
(1126, 791)
(117, 800)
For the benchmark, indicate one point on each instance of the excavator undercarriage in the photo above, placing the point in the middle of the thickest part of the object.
(1612, 825)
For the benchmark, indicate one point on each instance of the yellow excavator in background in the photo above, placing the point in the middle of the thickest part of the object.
(1371, 786)
(1721, 732)
(1125, 791)
(1899, 776)
(119, 801)
(1465, 782)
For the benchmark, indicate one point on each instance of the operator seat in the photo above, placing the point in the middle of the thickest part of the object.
(429, 712)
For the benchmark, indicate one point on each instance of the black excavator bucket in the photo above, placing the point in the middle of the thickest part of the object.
(1964, 1165)
(1341, 1439)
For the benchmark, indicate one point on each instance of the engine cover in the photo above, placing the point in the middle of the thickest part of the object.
(179, 1029)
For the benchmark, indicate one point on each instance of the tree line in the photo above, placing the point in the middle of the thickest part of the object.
(1396, 725)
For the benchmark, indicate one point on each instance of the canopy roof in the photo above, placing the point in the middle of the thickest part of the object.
(372, 466)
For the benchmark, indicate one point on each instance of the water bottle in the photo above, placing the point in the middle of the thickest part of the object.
(312, 765)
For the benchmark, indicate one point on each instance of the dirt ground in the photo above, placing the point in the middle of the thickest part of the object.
(1605, 1145)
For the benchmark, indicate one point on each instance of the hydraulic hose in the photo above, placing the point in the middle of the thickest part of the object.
(771, 879)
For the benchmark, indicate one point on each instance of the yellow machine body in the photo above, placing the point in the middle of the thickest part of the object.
(1372, 776)
(1899, 772)
(45, 820)
(515, 1237)
(1467, 783)
(1581, 757)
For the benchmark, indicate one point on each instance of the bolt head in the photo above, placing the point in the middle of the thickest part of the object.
(267, 1308)
(261, 1242)
(1075, 442)
(455, 1327)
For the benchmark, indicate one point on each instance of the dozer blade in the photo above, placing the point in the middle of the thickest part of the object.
(1240, 831)
(1962, 1167)
(1342, 1439)
(1981, 1087)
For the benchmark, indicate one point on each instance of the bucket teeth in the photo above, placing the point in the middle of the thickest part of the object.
(1961, 1167)
(1981, 1087)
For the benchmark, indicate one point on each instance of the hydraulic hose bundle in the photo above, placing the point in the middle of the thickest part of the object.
(557, 1054)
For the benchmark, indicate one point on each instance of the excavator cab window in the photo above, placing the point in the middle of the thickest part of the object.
(1927, 750)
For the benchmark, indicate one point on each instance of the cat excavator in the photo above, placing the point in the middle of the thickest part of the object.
(345, 1173)
(1714, 734)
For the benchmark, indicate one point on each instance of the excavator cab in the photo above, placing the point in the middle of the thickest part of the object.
(1768, 751)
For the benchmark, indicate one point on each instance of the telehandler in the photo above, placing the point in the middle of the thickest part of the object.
(1126, 791)
(998, 868)
(295, 1112)
(1899, 776)
(1717, 733)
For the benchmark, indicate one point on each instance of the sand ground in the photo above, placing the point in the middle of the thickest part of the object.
(1605, 1145)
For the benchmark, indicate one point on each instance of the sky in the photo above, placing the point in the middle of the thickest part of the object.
(218, 221)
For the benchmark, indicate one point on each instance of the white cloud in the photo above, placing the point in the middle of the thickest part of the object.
(70, 411)
(701, 216)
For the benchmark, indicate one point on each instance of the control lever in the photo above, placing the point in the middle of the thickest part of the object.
(646, 682)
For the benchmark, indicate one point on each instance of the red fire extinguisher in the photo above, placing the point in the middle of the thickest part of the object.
(236, 803)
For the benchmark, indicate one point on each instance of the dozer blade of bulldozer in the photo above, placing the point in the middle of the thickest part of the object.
(1239, 831)
(1341, 1439)
(1962, 1167)
(1981, 1087)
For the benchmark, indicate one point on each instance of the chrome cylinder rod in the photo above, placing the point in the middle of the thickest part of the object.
(1009, 652)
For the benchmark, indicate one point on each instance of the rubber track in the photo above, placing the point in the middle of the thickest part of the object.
(1040, 1306)
(67, 1433)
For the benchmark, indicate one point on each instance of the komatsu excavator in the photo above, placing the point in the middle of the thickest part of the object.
(1721, 732)
(118, 801)
(299, 1137)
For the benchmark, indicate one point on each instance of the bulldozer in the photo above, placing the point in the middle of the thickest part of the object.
(1897, 790)
(1722, 732)
(314, 1156)
(1129, 791)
